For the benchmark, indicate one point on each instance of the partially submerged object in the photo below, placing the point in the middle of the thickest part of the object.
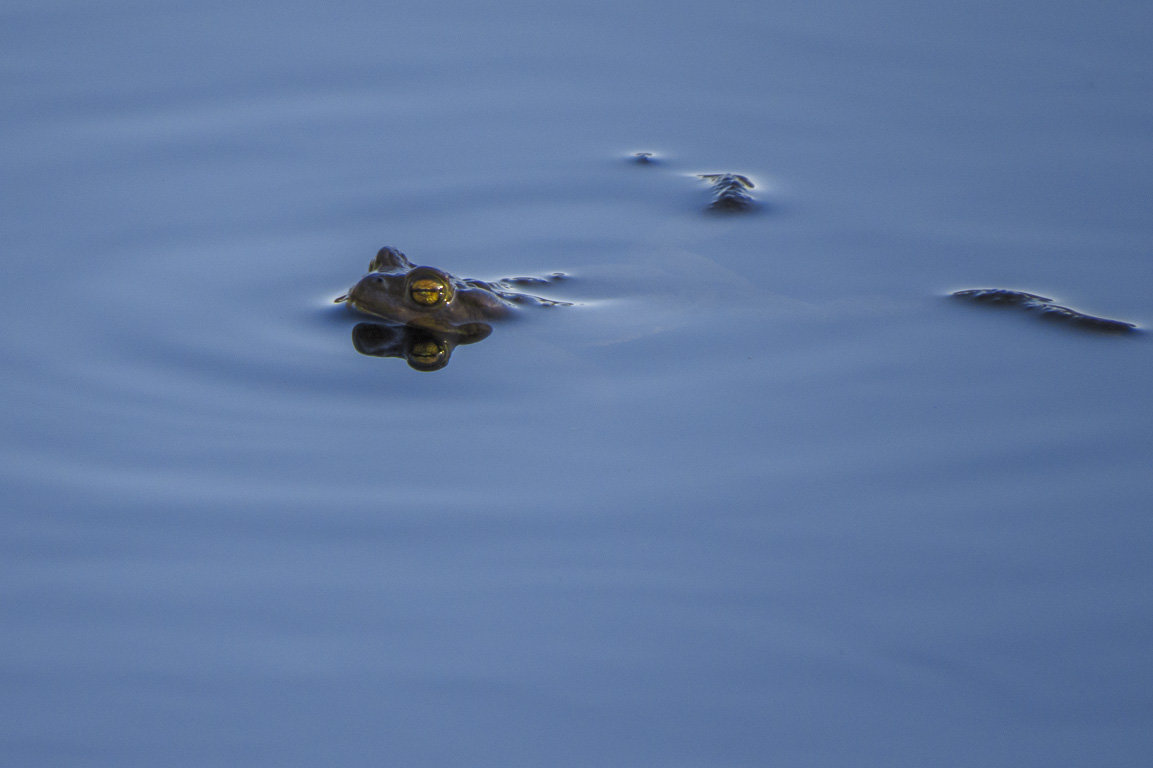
(432, 299)
(730, 191)
(1045, 308)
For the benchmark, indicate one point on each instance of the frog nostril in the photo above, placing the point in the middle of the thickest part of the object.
(378, 279)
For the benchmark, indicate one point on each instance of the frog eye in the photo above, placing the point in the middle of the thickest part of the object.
(428, 287)
(428, 292)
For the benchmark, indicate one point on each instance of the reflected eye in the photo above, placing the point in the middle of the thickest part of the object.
(428, 291)
(427, 351)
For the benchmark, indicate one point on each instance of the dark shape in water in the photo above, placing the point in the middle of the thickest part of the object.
(422, 349)
(644, 158)
(429, 298)
(1043, 306)
(730, 191)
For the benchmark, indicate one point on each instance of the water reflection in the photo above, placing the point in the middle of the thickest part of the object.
(423, 349)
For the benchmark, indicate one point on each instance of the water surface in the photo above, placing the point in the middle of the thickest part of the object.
(764, 496)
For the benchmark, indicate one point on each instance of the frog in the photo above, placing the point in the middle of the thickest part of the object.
(431, 299)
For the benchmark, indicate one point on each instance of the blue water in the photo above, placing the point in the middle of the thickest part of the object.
(763, 496)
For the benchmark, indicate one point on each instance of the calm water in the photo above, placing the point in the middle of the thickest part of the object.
(764, 496)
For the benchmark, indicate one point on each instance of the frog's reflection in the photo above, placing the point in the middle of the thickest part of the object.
(423, 349)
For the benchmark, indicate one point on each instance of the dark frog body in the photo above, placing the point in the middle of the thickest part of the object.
(431, 299)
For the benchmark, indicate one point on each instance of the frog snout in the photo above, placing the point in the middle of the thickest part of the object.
(367, 282)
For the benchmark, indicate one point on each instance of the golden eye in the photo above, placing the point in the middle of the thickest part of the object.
(428, 292)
